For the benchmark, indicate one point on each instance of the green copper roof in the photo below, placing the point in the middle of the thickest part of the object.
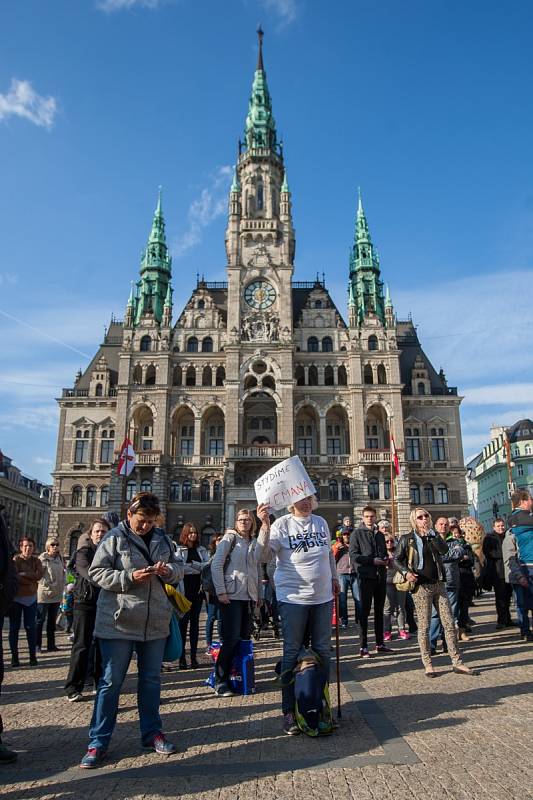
(285, 184)
(260, 128)
(168, 297)
(365, 285)
(235, 184)
(388, 301)
(156, 264)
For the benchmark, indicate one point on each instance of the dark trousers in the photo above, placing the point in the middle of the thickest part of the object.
(191, 621)
(16, 614)
(410, 612)
(1, 654)
(503, 593)
(236, 624)
(47, 611)
(82, 651)
(372, 590)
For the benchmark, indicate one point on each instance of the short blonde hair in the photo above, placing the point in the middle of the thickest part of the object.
(51, 540)
(412, 517)
(314, 504)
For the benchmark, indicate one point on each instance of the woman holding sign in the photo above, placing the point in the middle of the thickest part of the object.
(306, 580)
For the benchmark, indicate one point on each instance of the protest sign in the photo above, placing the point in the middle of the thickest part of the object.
(284, 484)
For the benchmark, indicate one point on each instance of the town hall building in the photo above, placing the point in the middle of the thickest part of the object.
(255, 369)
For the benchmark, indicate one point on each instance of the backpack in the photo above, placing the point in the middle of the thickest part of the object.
(312, 709)
(207, 577)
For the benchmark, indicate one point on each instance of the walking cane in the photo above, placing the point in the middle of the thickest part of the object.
(339, 709)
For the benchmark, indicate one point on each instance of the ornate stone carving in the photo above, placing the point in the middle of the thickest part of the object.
(260, 328)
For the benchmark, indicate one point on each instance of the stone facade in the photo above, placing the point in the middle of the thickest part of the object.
(26, 504)
(255, 369)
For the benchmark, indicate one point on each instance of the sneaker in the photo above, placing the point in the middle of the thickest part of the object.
(15, 661)
(363, 652)
(92, 758)
(161, 745)
(387, 637)
(380, 648)
(71, 637)
(405, 635)
(224, 690)
(7, 756)
(289, 725)
(74, 697)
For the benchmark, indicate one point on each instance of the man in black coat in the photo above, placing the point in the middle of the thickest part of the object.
(495, 574)
(8, 589)
(369, 559)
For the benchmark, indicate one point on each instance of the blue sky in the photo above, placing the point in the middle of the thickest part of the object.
(425, 105)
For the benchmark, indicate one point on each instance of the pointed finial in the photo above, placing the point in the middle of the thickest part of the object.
(168, 298)
(360, 202)
(260, 35)
(159, 209)
(285, 184)
(131, 299)
(388, 301)
(235, 184)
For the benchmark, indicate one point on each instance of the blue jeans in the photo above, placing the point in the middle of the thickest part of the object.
(16, 613)
(296, 621)
(524, 602)
(348, 583)
(436, 629)
(213, 615)
(116, 656)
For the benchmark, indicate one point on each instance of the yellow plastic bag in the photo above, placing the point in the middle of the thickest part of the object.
(178, 600)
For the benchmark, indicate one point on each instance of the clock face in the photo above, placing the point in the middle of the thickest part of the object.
(260, 294)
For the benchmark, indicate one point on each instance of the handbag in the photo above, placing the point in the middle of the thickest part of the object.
(178, 600)
(174, 642)
(400, 583)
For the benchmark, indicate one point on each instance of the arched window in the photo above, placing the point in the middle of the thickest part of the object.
(382, 374)
(333, 489)
(299, 374)
(201, 304)
(104, 496)
(414, 491)
(150, 376)
(260, 196)
(91, 496)
(313, 376)
(131, 489)
(442, 493)
(373, 489)
(146, 344)
(346, 490)
(137, 374)
(146, 486)
(177, 376)
(186, 495)
(205, 491)
(316, 484)
(327, 344)
(207, 376)
(421, 388)
(368, 376)
(99, 390)
(81, 450)
(192, 345)
(75, 500)
(329, 376)
(217, 492)
(207, 345)
(174, 496)
(221, 376)
(373, 342)
(429, 494)
(190, 377)
(343, 378)
(312, 344)
(318, 303)
(386, 488)
(269, 382)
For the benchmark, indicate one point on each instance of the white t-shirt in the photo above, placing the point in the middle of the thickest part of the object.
(303, 559)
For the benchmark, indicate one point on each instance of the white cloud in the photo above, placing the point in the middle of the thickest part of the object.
(286, 10)
(505, 394)
(33, 418)
(121, 5)
(210, 204)
(23, 101)
(43, 461)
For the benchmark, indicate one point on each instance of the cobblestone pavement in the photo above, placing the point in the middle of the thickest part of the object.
(401, 736)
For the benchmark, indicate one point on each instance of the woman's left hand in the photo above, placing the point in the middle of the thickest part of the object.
(262, 513)
(162, 569)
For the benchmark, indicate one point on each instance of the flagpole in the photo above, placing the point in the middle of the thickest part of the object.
(393, 509)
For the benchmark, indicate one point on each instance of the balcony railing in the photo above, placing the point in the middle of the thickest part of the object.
(149, 458)
(211, 461)
(85, 393)
(375, 456)
(316, 460)
(259, 451)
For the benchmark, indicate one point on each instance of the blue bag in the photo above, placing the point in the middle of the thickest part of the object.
(173, 644)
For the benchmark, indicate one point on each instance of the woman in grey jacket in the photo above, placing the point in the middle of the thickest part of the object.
(49, 593)
(235, 571)
(131, 566)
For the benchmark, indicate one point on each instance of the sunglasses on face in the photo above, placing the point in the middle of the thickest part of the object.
(423, 516)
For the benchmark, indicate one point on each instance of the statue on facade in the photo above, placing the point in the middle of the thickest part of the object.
(260, 328)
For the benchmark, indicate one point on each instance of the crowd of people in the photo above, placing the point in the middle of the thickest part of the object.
(117, 595)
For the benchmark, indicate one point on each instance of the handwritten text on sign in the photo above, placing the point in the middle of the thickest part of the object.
(284, 484)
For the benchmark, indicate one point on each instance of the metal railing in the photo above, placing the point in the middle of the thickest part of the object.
(262, 451)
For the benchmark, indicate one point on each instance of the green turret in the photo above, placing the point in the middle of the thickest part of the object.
(260, 128)
(366, 288)
(156, 264)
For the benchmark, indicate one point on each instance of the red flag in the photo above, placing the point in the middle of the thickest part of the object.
(126, 462)
(394, 456)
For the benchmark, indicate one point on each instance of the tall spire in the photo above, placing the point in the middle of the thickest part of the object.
(156, 265)
(285, 184)
(366, 285)
(260, 128)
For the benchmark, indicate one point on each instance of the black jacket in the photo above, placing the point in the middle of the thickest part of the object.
(85, 592)
(492, 549)
(8, 572)
(365, 546)
(438, 548)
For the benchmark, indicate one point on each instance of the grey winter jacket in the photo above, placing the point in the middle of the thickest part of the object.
(50, 587)
(241, 578)
(513, 567)
(137, 612)
(193, 567)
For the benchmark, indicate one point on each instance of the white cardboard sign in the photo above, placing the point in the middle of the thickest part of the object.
(284, 484)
